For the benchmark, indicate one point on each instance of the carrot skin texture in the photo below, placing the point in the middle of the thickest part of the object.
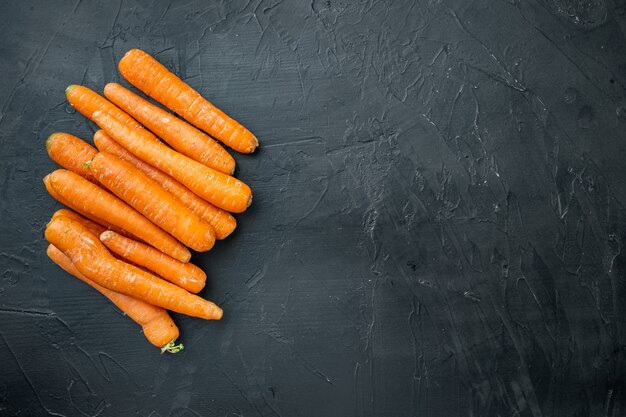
(179, 134)
(158, 327)
(223, 222)
(92, 226)
(85, 197)
(71, 153)
(185, 275)
(87, 101)
(150, 199)
(94, 261)
(217, 188)
(155, 80)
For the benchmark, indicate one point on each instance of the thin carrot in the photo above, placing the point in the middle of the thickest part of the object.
(217, 188)
(222, 221)
(85, 197)
(181, 136)
(71, 153)
(158, 327)
(95, 262)
(150, 199)
(151, 77)
(93, 227)
(87, 101)
(185, 275)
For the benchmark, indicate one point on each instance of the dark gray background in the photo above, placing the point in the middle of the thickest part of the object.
(438, 217)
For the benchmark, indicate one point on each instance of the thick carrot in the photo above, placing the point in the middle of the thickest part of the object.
(217, 188)
(150, 199)
(95, 262)
(157, 325)
(151, 77)
(181, 136)
(185, 275)
(223, 222)
(93, 227)
(71, 153)
(85, 197)
(87, 101)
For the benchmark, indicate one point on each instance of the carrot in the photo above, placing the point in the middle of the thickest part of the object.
(71, 153)
(217, 188)
(185, 275)
(181, 136)
(157, 325)
(85, 197)
(151, 77)
(94, 261)
(93, 227)
(150, 199)
(87, 101)
(223, 222)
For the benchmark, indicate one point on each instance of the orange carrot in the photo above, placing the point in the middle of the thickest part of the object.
(181, 136)
(85, 197)
(151, 77)
(157, 325)
(87, 101)
(217, 188)
(94, 261)
(93, 227)
(150, 199)
(185, 275)
(222, 221)
(71, 153)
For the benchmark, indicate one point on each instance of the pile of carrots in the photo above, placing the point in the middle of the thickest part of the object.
(138, 203)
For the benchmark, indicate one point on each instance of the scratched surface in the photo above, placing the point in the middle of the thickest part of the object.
(438, 217)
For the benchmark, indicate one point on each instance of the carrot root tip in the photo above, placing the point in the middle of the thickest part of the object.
(172, 347)
(50, 138)
(69, 88)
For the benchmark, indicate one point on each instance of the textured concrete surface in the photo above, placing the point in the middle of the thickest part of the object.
(438, 217)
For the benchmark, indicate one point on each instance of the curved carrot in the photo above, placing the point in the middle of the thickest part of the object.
(181, 136)
(87, 101)
(93, 227)
(85, 197)
(71, 153)
(217, 188)
(94, 261)
(151, 77)
(157, 325)
(185, 275)
(223, 222)
(150, 199)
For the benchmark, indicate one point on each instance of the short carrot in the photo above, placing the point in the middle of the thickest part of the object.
(93, 227)
(87, 102)
(185, 275)
(154, 79)
(222, 221)
(94, 261)
(71, 153)
(85, 197)
(181, 136)
(158, 327)
(217, 188)
(150, 199)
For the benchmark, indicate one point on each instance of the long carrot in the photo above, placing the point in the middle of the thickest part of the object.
(87, 101)
(71, 153)
(95, 262)
(185, 275)
(158, 327)
(151, 77)
(217, 188)
(93, 227)
(150, 199)
(222, 221)
(181, 136)
(85, 197)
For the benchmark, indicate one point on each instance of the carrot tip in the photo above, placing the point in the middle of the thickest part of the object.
(50, 138)
(69, 89)
(171, 347)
